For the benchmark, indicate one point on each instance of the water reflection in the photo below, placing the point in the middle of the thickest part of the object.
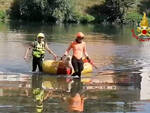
(145, 93)
(75, 100)
(39, 94)
(106, 92)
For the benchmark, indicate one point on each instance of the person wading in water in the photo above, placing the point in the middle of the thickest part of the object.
(79, 48)
(38, 51)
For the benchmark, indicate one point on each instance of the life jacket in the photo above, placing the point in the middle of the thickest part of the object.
(39, 108)
(39, 97)
(38, 49)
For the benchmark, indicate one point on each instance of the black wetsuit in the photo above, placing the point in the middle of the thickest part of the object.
(77, 65)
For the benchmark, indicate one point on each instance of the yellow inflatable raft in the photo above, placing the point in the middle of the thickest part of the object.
(58, 67)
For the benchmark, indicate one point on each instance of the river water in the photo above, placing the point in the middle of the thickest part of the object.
(120, 84)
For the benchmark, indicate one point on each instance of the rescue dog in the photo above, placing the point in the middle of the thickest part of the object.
(67, 61)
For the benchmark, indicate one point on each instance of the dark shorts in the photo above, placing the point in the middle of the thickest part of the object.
(37, 62)
(77, 65)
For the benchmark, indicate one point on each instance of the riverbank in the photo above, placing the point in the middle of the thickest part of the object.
(86, 11)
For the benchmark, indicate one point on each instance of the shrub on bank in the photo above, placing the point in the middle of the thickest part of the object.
(3, 15)
(57, 11)
(41, 10)
(86, 18)
(67, 11)
(132, 17)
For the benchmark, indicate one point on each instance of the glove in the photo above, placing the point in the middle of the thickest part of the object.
(88, 59)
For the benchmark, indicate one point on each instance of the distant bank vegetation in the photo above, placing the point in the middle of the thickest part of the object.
(74, 11)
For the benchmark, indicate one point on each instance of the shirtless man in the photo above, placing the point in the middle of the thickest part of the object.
(79, 48)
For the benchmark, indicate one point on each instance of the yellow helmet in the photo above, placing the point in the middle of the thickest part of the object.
(40, 35)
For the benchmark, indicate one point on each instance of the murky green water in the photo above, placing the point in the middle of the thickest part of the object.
(120, 84)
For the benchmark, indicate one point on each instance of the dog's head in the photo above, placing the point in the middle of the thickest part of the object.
(67, 60)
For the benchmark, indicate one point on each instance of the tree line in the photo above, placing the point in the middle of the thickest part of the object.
(64, 11)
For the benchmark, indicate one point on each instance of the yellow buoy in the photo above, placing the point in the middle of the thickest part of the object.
(87, 68)
(50, 66)
(58, 67)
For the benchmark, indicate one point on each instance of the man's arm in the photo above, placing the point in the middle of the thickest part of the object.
(50, 51)
(27, 51)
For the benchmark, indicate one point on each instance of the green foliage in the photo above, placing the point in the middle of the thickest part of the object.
(111, 10)
(42, 10)
(3, 15)
(26, 10)
(83, 18)
(76, 11)
(14, 9)
(57, 10)
(132, 17)
(86, 18)
(47, 10)
(144, 6)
